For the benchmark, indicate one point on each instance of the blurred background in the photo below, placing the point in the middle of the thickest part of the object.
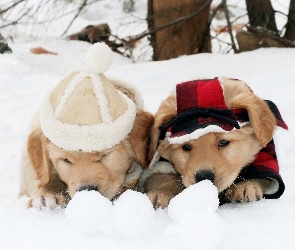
(147, 30)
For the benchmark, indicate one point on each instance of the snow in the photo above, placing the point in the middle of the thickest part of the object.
(193, 212)
(205, 200)
(89, 212)
(133, 214)
(193, 220)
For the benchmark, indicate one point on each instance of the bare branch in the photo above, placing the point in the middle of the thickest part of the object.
(207, 31)
(229, 26)
(77, 14)
(11, 6)
(16, 21)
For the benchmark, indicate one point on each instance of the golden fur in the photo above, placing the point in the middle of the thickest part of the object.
(51, 176)
(225, 162)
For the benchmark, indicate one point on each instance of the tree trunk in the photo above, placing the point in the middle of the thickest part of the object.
(180, 38)
(290, 27)
(261, 14)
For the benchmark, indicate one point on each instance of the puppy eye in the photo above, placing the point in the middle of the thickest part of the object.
(67, 161)
(223, 143)
(187, 147)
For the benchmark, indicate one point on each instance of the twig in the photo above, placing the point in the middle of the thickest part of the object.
(221, 41)
(77, 14)
(16, 21)
(11, 6)
(207, 30)
(229, 26)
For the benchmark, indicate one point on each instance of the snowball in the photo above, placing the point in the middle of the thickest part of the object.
(196, 222)
(133, 214)
(89, 212)
(198, 198)
(99, 58)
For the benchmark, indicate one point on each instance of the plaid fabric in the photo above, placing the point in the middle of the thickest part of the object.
(274, 109)
(201, 104)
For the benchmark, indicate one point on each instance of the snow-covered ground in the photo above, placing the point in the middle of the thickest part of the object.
(193, 221)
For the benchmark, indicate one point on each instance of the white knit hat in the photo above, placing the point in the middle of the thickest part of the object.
(85, 111)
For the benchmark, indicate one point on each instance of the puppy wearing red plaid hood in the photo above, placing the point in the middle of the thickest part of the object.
(217, 130)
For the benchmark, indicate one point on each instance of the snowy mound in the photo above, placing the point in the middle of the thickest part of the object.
(195, 217)
(201, 198)
(192, 213)
(90, 213)
(133, 214)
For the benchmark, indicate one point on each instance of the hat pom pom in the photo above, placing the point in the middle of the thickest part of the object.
(99, 58)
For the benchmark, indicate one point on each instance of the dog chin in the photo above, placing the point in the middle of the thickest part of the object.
(109, 194)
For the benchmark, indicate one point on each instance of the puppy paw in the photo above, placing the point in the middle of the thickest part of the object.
(48, 201)
(160, 199)
(245, 191)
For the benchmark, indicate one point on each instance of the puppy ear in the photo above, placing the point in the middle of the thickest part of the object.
(238, 95)
(166, 112)
(38, 154)
(138, 137)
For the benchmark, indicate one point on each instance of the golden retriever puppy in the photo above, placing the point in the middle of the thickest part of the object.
(90, 134)
(214, 129)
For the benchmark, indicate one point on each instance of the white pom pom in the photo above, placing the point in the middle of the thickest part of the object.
(99, 58)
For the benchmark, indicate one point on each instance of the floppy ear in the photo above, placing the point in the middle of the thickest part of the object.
(38, 154)
(138, 137)
(166, 112)
(238, 95)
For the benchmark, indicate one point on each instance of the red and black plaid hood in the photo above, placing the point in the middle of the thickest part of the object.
(201, 109)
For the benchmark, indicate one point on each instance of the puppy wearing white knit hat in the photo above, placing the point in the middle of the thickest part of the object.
(90, 134)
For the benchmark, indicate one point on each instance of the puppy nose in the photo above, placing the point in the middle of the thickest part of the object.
(204, 175)
(88, 187)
